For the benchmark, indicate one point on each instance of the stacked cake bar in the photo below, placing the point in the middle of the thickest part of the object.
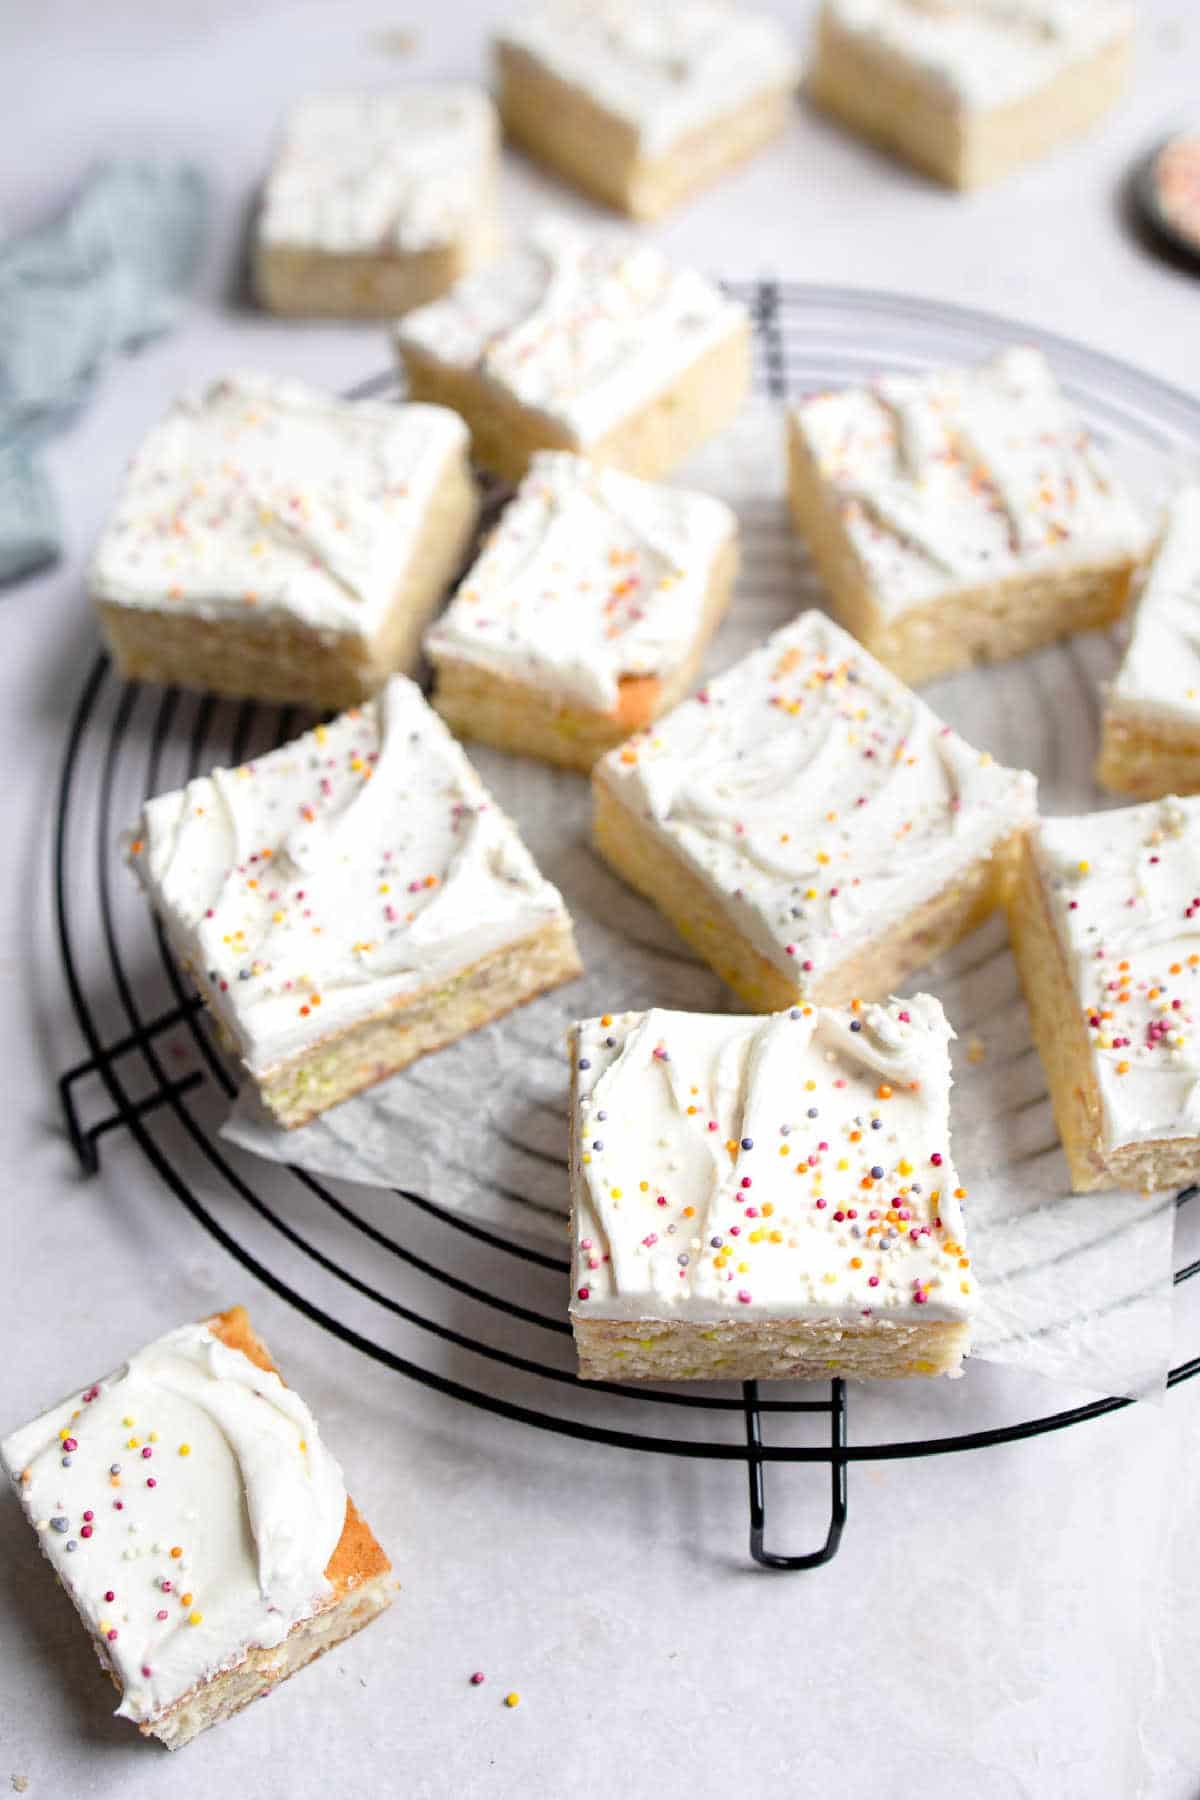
(199, 1526)
(760, 1197)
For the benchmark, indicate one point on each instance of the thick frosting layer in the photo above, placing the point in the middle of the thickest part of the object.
(367, 173)
(817, 796)
(581, 327)
(966, 476)
(795, 1166)
(1123, 890)
(1160, 675)
(667, 69)
(337, 876)
(986, 52)
(188, 1506)
(589, 576)
(262, 494)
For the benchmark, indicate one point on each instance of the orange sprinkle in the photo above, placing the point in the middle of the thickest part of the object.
(883, 1091)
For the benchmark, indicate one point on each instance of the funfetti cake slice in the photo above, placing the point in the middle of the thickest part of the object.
(349, 902)
(809, 825)
(642, 102)
(377, 202)
(587, 614)
(277, 542)
(1105, 925)
(962, 516)
(199, 1525)
(968, 89)
(767, 1197)
(584, 341)
(1151, 739)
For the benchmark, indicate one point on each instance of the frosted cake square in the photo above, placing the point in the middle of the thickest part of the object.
(275, 542)
(967, 90)
(641, 103)
(1103, 925)
(1151, 735)
(199, 1526)
(350, 902)
(584, 341)
(587, 614)
(377, 202)
(962, 516)
(809, 825)
(767, 1197)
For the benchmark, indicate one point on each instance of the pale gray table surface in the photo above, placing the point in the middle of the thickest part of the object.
(1020, 1622)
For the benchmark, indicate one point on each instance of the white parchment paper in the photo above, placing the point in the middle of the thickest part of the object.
(1076, 1287)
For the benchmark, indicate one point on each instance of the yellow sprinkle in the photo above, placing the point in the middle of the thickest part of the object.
(195, 1618)
(616, 1193)
(128, 1421)
(513, 1699)
(1083, 865)
(132, 1443)
(185, 1449)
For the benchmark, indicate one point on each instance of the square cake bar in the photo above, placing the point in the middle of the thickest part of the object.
(198, 1525)
(377, 202)
(1104, 926)
(350, 902)
(962, 516)
(642, 105)
(809, 825)
(767, 1197)
(1151, 736)
(273, 541)
(967, 90)
(587, 614)
(582, 341)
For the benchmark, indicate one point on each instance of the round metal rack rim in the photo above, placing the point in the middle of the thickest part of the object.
(769, 301)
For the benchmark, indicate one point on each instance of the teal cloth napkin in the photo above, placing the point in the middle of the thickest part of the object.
(104, 277)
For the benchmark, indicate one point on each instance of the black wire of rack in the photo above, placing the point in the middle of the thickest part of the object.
(161, 1115)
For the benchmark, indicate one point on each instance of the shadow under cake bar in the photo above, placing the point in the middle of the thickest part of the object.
(968, 89)
(587, 614)
(350, 902)
(275, 542)
(809, 825)
(1150, 744)
(962, 516)
(199, 1526)
(377, 202)
(641, 105)
(766, 1197)
(584, 341)
(1104, 926)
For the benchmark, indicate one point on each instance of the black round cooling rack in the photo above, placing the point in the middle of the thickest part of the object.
(433, 1295)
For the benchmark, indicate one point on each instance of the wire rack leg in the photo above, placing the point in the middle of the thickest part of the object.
(770, 1559)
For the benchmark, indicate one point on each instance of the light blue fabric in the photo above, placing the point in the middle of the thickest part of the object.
(104, 277)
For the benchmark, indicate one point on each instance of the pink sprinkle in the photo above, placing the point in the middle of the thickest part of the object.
(872, 1281)
(111, 1636)
(904, 1018)
(919, 1298)
(478, 1678)
(650, 1240)
(662, 1200)
(936, 1159)
(746, 1181)
(162, 1613)
(585, 1243)
(838, 1216)
(821, 1205)
(147, 1671)
(150, 1481)
(584, 1293)
(147, 1453)
(166, 1586)
(110, 1596)
(70, 1444)
(118, 1506)
(88, 1516)
(85, 1531)
(789, 949)
(806, 965)
(744, 1296)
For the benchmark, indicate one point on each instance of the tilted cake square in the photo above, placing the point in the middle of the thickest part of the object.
(642, 102)
(199, 1526)
(962, 516)
(276, 542)
(350, 902)
(1104, 928)
(767, 1197)
(967, 90)
(1151, 734)
(809, 825)
(587, 613)
(377, 202)
(584, 341)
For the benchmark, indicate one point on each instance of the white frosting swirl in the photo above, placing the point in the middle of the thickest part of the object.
(666, 70)
(795, 1166)
(262, 494)
(1124, 892)
(319, 884)
(193, 1488)
(1159, 678)
(583, 328)
(817, 796)
(590, 575)
(368, 173)
(984, 53)
(966, 476)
